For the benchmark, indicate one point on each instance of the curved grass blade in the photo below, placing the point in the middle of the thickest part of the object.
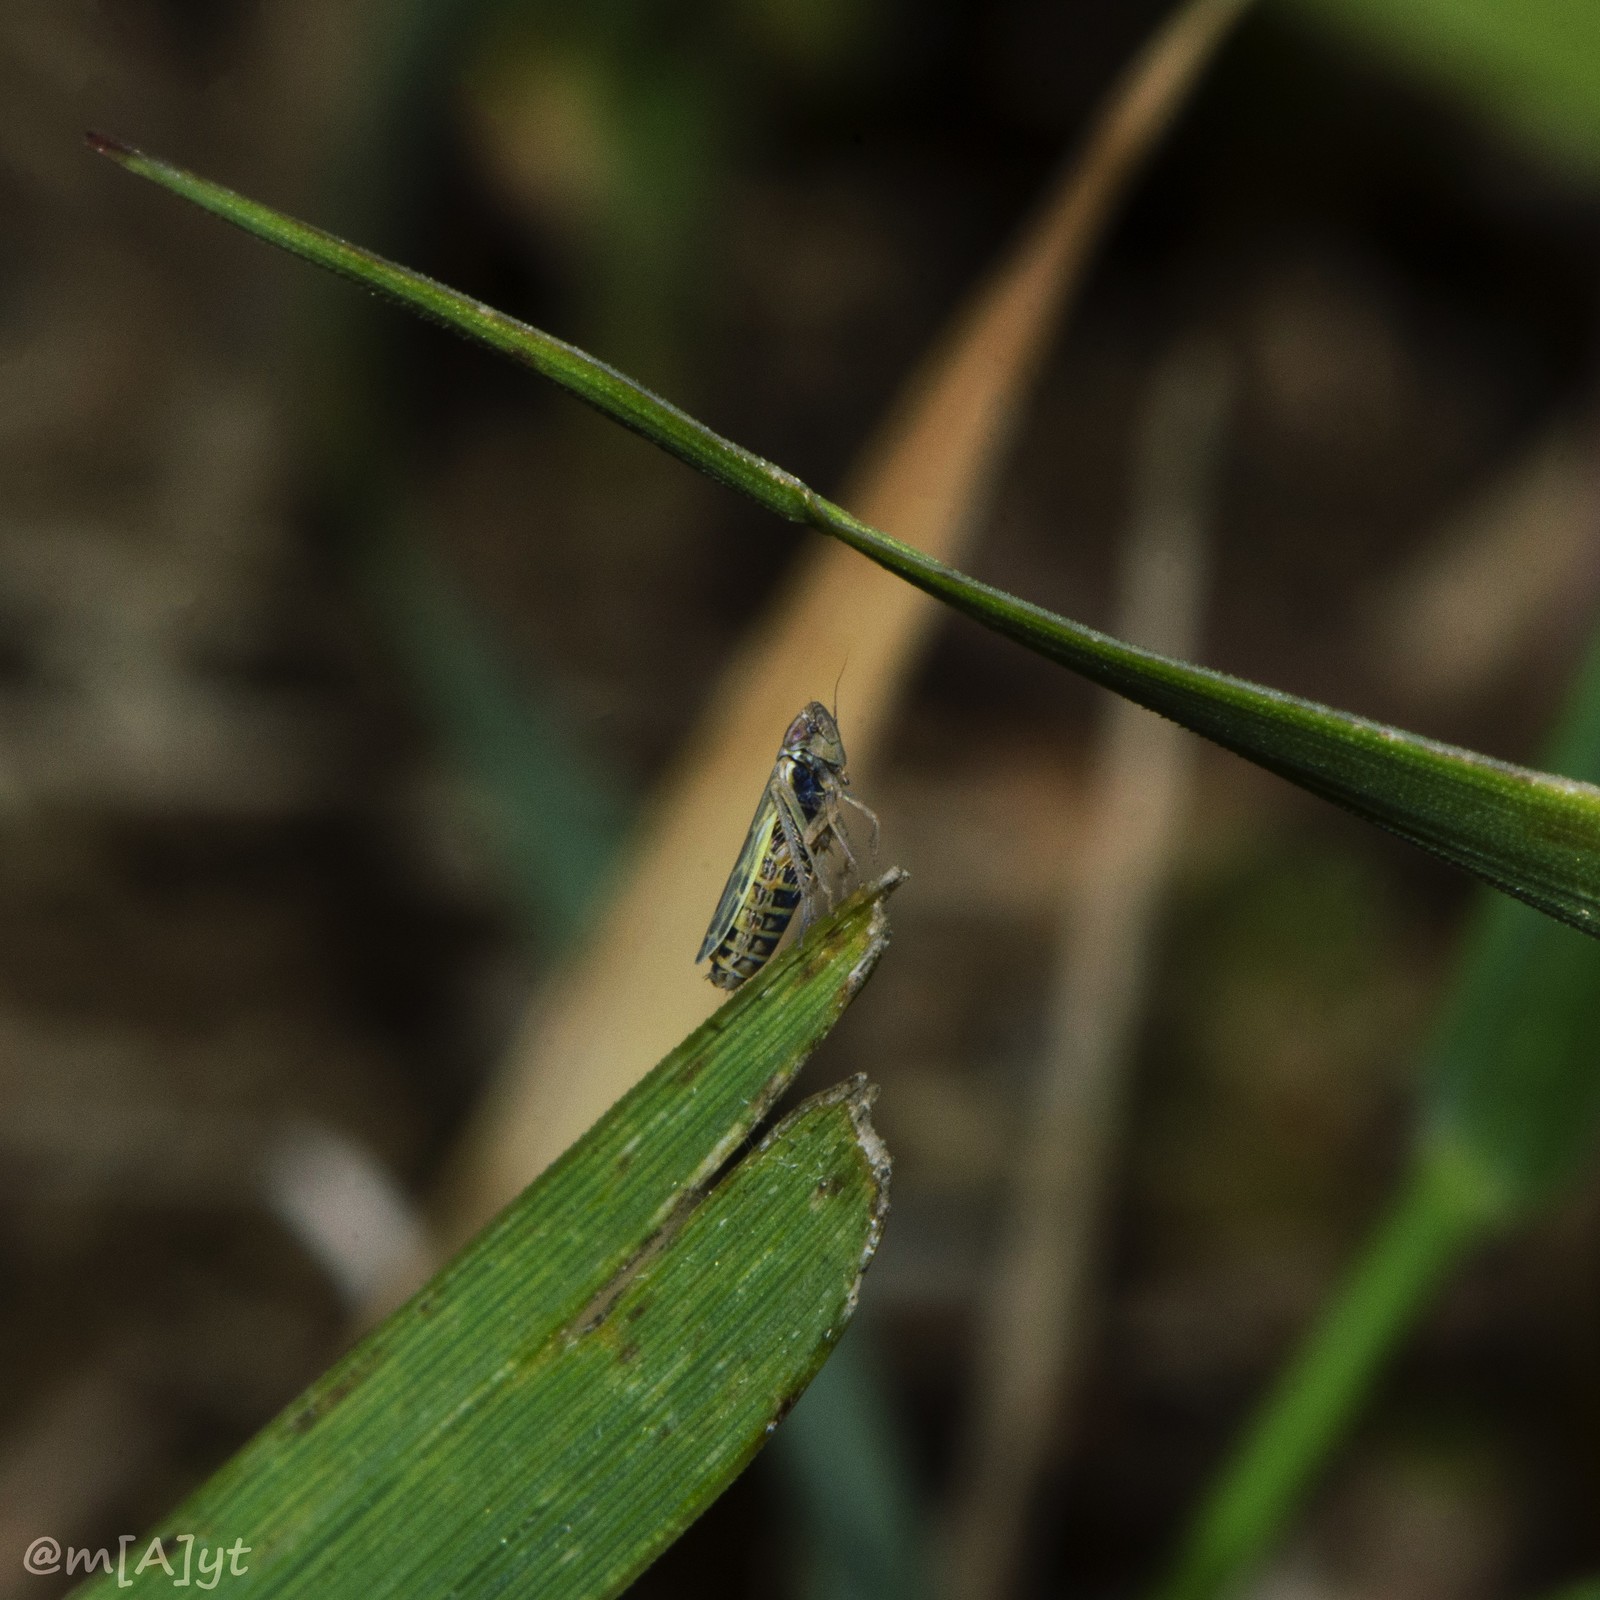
(575, 1388)
(1535, 836)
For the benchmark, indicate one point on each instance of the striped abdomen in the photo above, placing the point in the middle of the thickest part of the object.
(764, 913)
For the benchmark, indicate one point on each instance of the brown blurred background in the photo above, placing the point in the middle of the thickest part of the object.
(294, 592)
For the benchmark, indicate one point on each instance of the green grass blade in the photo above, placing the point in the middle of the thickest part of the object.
(606, 389)
(555, 816)
(1536, 837)
(572, 1391)
(841, 1464)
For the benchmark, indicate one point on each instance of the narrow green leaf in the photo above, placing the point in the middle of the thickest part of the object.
(556, 819)
(572, 1391)
(1534, 836)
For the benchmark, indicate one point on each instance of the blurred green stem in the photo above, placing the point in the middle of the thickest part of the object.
(1511, 1103)
(1436, 1219)
(843, 1460)
(552, 820)
(549, 811)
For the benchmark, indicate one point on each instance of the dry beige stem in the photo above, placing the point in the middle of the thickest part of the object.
(634, 992)
(1031, 1321)
(1491, 585)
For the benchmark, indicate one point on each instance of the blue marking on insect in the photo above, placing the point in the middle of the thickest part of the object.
(797, 826)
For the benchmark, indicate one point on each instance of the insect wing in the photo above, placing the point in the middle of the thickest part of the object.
(756, 843)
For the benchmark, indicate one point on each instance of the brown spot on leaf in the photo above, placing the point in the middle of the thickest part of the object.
(320, 1404)
(785, 1406)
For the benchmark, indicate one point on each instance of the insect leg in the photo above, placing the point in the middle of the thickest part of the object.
(793, 823)
(829, 822)
(867, 811)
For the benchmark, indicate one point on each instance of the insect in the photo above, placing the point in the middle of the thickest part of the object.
(796, 825)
